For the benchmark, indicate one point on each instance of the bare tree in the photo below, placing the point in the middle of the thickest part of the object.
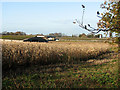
(107, 20)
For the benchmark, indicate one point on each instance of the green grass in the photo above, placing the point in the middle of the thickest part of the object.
(78, 38)
(16, 37)
(21, 37)
(83, 75)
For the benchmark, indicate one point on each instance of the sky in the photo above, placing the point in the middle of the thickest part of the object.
(48, 17)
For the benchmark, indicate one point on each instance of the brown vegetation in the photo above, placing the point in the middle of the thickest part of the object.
(26, 53)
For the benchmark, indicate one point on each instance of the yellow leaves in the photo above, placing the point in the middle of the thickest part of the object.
(107, 23)
(105, 2)
(110, 16)
(107, 13)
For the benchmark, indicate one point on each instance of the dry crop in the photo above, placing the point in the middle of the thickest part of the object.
(26, 53)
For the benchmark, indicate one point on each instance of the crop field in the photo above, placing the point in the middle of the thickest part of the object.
(58, 65)
(22, 53)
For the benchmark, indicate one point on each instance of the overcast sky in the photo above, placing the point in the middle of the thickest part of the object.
(48, 17)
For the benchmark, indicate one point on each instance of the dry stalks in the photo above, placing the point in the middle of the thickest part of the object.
(26, 53)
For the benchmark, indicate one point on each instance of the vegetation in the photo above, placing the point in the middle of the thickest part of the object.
(76, 65)
(79, 38)
(16, 37)
(90, 36)
(13, 33)
(111, 18)
(26, 53)
(21, 37)
(65, 64)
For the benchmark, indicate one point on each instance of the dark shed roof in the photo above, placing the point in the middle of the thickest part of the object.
(50, 36)
(36, 39)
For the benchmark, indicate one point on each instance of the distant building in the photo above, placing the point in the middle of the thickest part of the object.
(51, 38)
(100, 35)
(40, 36)
(35, 39)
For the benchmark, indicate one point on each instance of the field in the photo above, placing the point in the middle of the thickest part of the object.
(59, 65)
(21, 37)
(16, 37)
(79, 38)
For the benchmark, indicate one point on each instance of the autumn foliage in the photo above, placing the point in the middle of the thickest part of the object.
(111, 17)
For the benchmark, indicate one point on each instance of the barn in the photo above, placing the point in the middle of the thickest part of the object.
(35, 39)
(51, 38)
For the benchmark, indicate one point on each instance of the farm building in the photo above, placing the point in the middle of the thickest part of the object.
(51, 38)
(48, 38)
(41, 38)
(35, 39)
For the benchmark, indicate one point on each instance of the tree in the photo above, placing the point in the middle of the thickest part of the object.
(109, 20)
(13, 33)
(80, 35)
(20, 33)
(90, 35)
(83, 35)
(56, 34)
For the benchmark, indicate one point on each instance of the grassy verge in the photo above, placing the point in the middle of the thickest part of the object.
(101, 72)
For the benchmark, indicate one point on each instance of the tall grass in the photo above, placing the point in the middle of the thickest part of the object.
(26, 53)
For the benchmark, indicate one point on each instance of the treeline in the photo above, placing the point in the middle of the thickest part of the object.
(23, 33)
(13, 33)
(55, 34)
(83, 35)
